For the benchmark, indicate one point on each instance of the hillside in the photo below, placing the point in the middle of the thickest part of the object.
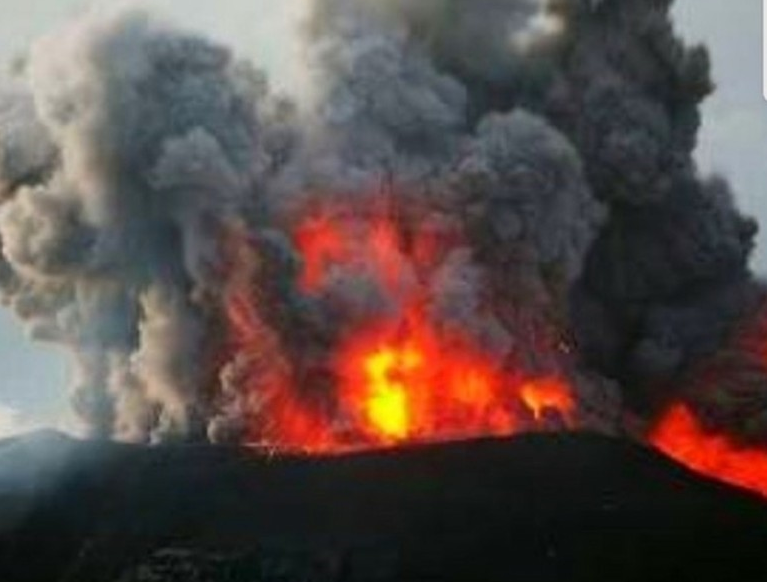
(556, 507)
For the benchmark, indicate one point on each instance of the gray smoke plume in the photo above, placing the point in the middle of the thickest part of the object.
(668, 276)
(123, 145)
(151, 184)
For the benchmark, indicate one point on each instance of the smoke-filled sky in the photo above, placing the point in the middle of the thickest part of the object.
(734, 140)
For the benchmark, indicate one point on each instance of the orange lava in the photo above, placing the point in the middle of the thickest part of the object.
(389, 379)
(680, 435)
(399, 385)
(548, 395)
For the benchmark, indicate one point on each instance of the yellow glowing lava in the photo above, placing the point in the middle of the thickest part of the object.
(387, 405)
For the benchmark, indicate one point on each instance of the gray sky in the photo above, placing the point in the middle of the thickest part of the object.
(733, 142)
(734, 138)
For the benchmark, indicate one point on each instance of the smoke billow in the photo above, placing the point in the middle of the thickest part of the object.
(517, 174)
(123, 145)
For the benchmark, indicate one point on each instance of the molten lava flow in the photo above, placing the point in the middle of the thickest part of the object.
(680, 435)
(394, 373)
(729, 387)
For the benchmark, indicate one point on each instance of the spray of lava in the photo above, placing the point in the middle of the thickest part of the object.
(404, 374)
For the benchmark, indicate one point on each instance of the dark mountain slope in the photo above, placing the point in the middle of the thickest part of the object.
(557, 507)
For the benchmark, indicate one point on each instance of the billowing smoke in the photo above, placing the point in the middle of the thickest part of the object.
(124, 144)
(515, 177)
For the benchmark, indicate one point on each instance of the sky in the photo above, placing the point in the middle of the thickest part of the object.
(33, 377)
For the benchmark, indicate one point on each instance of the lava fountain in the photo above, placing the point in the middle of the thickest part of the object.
(389, 376)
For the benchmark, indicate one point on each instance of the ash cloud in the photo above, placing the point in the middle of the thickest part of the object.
(558, 135)
(125, 144)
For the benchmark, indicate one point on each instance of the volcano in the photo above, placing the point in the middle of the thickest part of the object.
(478, 219)
(555, 507)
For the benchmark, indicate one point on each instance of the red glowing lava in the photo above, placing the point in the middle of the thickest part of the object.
(391, 378)
(680, 435)
(328, 239)
(549, 394)
(321, 245)
(729, 387)
(411, 384)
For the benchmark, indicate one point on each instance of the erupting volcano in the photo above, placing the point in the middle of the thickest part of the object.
(477, 218)
(400, 375)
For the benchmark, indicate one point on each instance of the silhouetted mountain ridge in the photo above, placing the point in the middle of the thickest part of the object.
(539, 507)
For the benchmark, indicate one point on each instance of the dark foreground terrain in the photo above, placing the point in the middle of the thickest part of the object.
(559, 508)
